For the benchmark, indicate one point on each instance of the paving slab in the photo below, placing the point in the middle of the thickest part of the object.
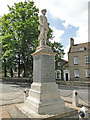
(12, 110)
(4, 113)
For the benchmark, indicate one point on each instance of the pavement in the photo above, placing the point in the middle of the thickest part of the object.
(4, 113)
(9, 111)
(4, 104)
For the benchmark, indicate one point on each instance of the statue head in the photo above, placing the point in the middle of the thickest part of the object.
(44, 11)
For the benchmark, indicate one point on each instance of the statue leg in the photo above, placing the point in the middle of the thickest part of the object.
(45, 38)
(41, 37)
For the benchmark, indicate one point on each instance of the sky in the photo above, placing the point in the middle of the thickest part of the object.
(67, 18)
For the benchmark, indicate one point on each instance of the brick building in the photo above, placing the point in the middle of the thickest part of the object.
(78, 65)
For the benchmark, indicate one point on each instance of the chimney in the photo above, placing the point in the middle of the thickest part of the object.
(71, 42)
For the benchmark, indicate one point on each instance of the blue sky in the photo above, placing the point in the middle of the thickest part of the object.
(67, 18)
(69, 31)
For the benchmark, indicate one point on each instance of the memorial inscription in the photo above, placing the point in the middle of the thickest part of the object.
(44, 68)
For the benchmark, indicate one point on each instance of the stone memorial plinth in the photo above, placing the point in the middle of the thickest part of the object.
(44, 97)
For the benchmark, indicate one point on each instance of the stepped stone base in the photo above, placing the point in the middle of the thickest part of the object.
(44, 102)
(44, 98)
(63, 113)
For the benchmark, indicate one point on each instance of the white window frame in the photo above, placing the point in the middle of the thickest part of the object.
(76, 73)
(87, 71)
(76, 61)
(58, 72)
(87, 59)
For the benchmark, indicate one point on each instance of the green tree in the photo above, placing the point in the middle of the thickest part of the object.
(58, 48)
(19, 37)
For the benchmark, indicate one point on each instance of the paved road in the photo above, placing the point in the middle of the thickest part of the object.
(12, 90)
(12, 87)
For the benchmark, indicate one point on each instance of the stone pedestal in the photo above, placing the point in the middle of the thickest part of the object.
(44, 97)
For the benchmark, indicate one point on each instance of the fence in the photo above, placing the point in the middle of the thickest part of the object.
(81, 101)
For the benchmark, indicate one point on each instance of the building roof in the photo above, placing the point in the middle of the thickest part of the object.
(80, 47)
(61, 60)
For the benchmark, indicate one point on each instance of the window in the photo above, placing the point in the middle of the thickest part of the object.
(87, 73)
(82, 48)
(58, 74)
(76, 73)
(87, 59)
(59, 63)
(75, 60)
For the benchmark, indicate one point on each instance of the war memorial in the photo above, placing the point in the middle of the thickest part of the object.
(44, 99)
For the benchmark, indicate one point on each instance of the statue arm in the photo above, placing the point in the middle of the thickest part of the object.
(41, 20)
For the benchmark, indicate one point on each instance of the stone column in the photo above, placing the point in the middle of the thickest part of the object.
(44, 97)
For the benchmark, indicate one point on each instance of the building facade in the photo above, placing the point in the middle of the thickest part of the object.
(78, 65)
(79, 61)
(60, 66)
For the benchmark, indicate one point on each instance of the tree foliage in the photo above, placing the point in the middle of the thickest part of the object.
(57, 47)
(19, 36)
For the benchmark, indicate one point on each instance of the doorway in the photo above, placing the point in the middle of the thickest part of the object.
(66, 76)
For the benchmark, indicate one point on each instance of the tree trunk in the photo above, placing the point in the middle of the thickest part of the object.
(32, 66)
(11, 72)
(5, 69)
(24, 69)
(18, 65)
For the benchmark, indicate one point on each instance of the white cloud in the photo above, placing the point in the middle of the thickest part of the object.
(3, 5)
(56, 33)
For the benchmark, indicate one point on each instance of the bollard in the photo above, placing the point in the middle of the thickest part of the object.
(83, 113)
(26, 93)
(75, 98)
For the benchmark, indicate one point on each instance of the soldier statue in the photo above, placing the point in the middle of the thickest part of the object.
(43, 28)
